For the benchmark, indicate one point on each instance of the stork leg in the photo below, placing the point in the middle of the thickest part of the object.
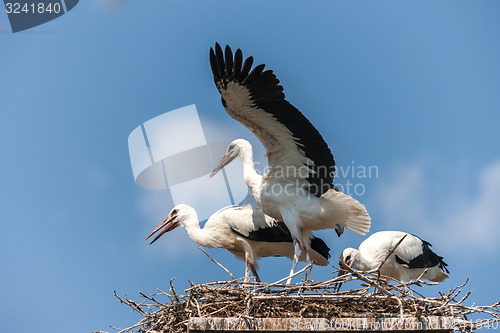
(295, 260)
(247, 270)
(254, 271)
(308, 261)
(292, 224)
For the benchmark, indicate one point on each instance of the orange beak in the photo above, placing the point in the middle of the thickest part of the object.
(169, 224)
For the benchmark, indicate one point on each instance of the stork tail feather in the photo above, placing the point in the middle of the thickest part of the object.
(350, 212)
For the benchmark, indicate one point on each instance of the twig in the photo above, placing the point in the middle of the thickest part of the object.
(305, 300)
(197, 307)
(375, 284)
(172, 290)
(290, 276)
(364, 279)
(421, 275)
(128, 329)
(215, 261)
(387, 256)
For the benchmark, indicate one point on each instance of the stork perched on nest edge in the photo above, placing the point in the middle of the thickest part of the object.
(245, 232)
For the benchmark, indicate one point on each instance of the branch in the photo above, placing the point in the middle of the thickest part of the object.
(375, 284)
(387, 256)
(290, 276)
(224, 268)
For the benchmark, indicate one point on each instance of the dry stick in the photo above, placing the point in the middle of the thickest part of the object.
(421, 275)
(131, 327)
(216, 311)
(163, 293)
(211, 293)
(150, 298)
(290, 276)
(364, 279)
(130, 303)
(374, 284)
(216, 283)
(387, 256)
(399, 289)
(402, 285)
(316, 297)
(197, 307)
(224, 268)
(172, 290)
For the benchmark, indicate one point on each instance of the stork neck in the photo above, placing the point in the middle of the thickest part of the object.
(193, 229)
(252, 178)
(363, 264)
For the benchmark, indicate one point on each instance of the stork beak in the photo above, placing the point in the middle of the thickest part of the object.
(342, 272)
(170, 223)
(223, 162)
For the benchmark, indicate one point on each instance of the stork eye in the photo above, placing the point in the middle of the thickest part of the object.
(348, 258)
(174, 212)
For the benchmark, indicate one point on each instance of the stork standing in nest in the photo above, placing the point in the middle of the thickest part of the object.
(411, 257)
(245, 232)
(298, 188)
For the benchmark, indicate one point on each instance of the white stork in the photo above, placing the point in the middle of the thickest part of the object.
(298, 188)
(408, 261)
(245, 232)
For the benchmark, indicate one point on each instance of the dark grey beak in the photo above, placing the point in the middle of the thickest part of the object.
(341, 273)
(223, 162)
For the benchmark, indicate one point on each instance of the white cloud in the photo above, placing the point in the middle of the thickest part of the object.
(456, 218)
(477, 219)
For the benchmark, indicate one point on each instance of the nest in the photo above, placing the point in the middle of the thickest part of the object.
(170, 311)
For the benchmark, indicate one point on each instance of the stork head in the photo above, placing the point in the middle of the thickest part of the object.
(176, 217)
(235, 149)
(347, 257)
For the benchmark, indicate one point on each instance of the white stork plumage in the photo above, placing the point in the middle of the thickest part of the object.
(298, 188)
(408, 261)
(243, 149)
(244, 231)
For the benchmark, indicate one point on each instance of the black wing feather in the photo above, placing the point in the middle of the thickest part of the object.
(278, 232)
(427, 259)
(229, 60)
(318, 245)
(247, 66)
(238, 60)
(267, 94)
(254, 75)
(213, 62)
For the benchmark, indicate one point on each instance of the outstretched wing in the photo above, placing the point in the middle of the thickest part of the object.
(256, 99)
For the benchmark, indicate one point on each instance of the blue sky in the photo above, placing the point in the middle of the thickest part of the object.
(409, 87)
